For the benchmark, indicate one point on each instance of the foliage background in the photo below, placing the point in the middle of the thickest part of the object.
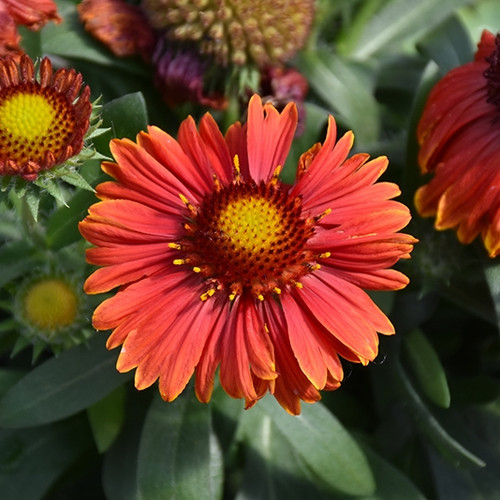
(423, 421)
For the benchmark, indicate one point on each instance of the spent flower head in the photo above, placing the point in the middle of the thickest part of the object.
(236, 31)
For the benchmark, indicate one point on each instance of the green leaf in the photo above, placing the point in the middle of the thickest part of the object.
(62, 386)
(119, 473)
(412, 177)
(8, 378)
(179, 456)
(479, 16)
(492, 273)
(106, 418)
(346, 90)
(402, 21)
(269, 456)
(75, 179)
(324, 445)
(31, 460)
(16, 258)
(448, 46)
(448, 447)
(427, 368)
(392, 484)
(478, 428)
(351, 31)
(126, 115)
(62, 225)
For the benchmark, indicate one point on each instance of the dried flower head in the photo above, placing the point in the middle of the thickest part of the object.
(236, 31)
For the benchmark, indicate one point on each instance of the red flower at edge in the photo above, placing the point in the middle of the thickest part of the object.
(220, 264)
(30, 13)
(459, 137)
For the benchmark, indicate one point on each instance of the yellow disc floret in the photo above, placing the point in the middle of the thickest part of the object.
(43, 119)
(34, 121)
(50, 304)
(250, 224)
(248, 238)
(26, 116)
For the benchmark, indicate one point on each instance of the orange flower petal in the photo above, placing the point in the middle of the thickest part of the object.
(222, 266)
(270, 136)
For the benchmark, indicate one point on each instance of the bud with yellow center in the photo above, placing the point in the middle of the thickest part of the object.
(236, 31)
(50, 304)
(49, 309)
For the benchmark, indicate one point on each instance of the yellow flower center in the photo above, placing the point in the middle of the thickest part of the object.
(34, 122)
(26, 116)
(50, 304)
(250, 224)
(248, 238)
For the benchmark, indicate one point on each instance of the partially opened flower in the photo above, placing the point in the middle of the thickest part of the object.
(46, 126)
(459, 140)
(50, 310)
(30, 13)
(220, 264)
(43, 120)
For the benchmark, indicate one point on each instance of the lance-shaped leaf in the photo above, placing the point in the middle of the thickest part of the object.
(62, 386)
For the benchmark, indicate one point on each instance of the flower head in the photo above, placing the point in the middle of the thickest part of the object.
(120, 26)
(236, 31)
(30, 13)
(42, 121)
(220, 264)
(460, 145)
(50, 310)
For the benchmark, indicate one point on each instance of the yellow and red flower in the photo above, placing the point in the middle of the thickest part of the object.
(43, 120)
(30, 13)
(221, 265)
(460, 145)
